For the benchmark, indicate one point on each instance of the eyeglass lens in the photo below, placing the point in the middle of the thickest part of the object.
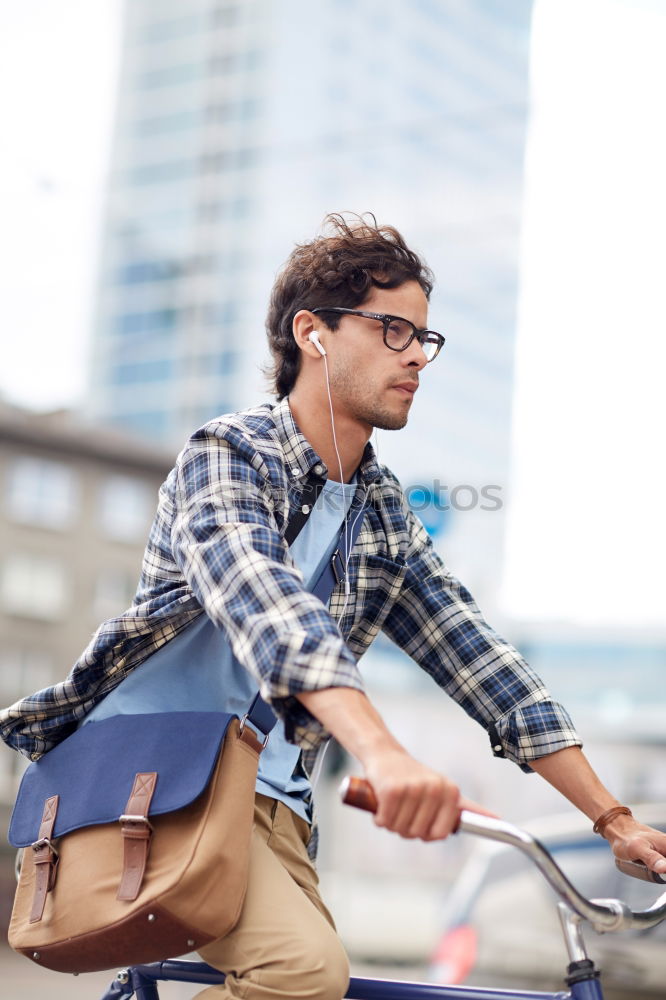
(399, 331)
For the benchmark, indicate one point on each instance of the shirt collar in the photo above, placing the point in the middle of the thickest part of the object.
(300, 457)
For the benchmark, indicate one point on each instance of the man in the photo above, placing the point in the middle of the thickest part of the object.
(347, 328)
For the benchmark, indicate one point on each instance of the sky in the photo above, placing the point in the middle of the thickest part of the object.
(586, 541)
(58, 71)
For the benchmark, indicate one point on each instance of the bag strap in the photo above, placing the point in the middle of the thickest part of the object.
(307, 500)
(260, 715)
(45, 859)
(137, 831)
(335, 569)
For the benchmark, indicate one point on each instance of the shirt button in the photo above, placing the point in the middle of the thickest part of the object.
(318, 469)
(497, 748)
(295, 472)
(305, 508)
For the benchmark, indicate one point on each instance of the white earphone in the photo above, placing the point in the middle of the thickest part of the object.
(314, 339)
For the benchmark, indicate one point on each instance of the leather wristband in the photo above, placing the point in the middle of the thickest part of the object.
(609, 816)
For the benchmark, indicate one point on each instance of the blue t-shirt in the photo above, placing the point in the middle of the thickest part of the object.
(197, 670)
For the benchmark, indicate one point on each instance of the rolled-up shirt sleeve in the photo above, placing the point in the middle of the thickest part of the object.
(226, 543)
(437, 622)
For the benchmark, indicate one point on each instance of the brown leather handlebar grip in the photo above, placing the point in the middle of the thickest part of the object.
(358, 792)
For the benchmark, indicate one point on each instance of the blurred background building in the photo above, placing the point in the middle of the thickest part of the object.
(77, 505)
(239, 126)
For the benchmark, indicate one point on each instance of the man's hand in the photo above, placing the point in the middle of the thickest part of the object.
(570, 772)
(632, 841)
(414, 800)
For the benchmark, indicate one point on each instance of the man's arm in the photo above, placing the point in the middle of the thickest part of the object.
(570, 773)
(413, 800)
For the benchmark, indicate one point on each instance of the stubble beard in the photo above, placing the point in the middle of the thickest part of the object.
(348, 387)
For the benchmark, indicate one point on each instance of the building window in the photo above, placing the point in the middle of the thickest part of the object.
(141, 371)
(177, 27)
(197, 416)
(229, 362)
(210, 211)
(224, 63)
(23, 671)
(161, 173)
(244, 109)
(223, 362)
(241, 158)
(220, 313)
(33, 587)
(254, 58)
(148, 423)
(114, 590)
(225, 16)
(169, 76)
(125, 508)
(166, 124)
(141, 322)
(141, 271)
(42, 492)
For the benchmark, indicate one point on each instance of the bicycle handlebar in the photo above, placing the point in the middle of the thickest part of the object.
(603, 914)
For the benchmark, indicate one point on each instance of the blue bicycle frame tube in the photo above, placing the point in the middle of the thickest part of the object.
(588, 990)
(385, 989)
(142, 979)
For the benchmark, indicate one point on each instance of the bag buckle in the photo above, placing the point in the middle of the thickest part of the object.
(45, 842)
(130, 818)
(50, 858)
(337, 567)
(253, 730)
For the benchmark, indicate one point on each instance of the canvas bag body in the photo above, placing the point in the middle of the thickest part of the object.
(193, 887)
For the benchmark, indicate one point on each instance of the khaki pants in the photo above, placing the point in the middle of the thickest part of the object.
(285, 943)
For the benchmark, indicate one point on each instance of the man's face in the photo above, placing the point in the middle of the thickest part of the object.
(369, 382)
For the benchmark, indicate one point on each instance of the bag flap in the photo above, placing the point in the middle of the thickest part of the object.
(93, 769)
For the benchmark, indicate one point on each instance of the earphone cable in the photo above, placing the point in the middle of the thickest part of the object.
(342, 488)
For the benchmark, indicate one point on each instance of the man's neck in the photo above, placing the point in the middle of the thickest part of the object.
(313, 417)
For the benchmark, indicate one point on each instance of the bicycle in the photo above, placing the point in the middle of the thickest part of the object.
(582, 977)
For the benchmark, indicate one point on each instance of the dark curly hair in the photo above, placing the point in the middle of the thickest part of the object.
(339, 269)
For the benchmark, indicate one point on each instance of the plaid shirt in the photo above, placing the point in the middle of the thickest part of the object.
(216, 545)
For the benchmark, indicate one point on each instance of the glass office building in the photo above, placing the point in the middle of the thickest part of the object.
(239, 126)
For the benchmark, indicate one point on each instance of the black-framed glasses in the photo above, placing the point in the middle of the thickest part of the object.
(398, 332)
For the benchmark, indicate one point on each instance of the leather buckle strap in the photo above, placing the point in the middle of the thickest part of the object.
(137, 831)
(45, 859)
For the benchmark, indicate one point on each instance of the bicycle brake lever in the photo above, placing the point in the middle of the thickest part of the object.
(638, 869)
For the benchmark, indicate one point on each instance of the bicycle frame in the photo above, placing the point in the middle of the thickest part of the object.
(141, 981)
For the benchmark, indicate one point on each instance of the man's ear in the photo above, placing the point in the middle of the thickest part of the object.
(305, 323)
